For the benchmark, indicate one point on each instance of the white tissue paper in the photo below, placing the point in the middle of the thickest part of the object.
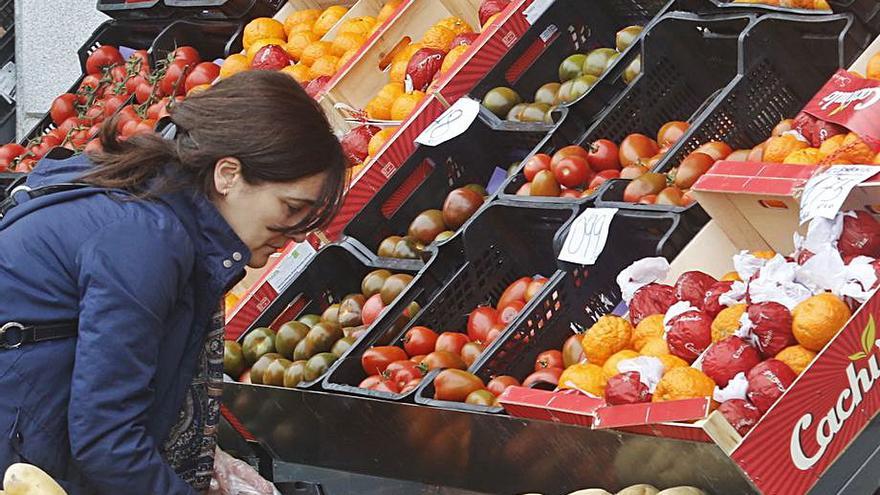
(777, 283)
(736, 388)
(747, 264)
(650, 370)
(677, 309)
(860, 278)
(641, 273)
(745, 330)
(825, 271)
(735, 295)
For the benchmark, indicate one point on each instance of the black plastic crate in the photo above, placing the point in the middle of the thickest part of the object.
(7, 15)
(867, 11)
(213, 39)
(225, 9)
(501, 244)
(336, 271)
(573, 302)
(135, 9)
(785, 60)
(430, 173)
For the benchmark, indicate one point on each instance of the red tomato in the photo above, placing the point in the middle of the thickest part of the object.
(671, 132)
(572, 171)
(603, 155)
(636, 149)
(89, 85)
(420, 340)
(451, 342)
(370, 381)
(187, 54)
(153, 112)
(549, 359)
(94, 146)
(571, 193)
(633, 172)
(500, 383)
(145, 127)
(129, 128)
(480, 321)
(410, 386)
(203, 73)
(456, 385)
(131, 85)
(173, 83)
(403, 372)
(376, 359)
(508, 313)
(603, 176)
(139, 61)
(142, 92)
(648, 199)
(386, 386)
(525, 189)
(494, 333)
(716, 149)
(112, 104)
(118, 74)
(535, 164)
(63, 108)
(371, 309)
(443, 359)
(572, 150)
(516, 291)
(471, 352)
(103, 57)
(535, 287)
(547, 375)
(126, 115)
(418, 359)
(8, 153)
(43, 144)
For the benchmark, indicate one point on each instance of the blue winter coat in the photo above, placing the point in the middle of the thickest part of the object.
(143, 279)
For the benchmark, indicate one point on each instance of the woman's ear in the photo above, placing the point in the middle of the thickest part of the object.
(227, 174)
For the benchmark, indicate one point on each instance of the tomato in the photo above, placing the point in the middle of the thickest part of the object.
(131, 85)
(118, 74)
(601, 177)
(43, 144)
(153, 113)
(456, 385)
(549, 359)
(173, 83)
(480, 321)
(94, 146)
(535, 287)
(471, 352)
(188, 55)
(418, 359)
(443, 359)
(516, 291)
(371, 309)
(648, 199)
(480, 398)
(128, 129)
(738, 156)
(63, 108)
(112, 104)
(95, 113)
(546, 375)
(671, 132)
(572, 171)
(203, 73)
(571, 193)
(403, 372)
(70, 123)
(89, 85)
(386, 386)
(687, 198)
(8, 153)
(636, 149)
(376, 359)
(525, 189)
(410, 386)
(145, 127)
(692, 168)
(420, 340)
(139, 61)
(103, 57)
(633, 172)
(603, 155)
(142, 92)
(26, 165)
(166, 111)
(499, 384)
(572, 351)
(535, 164)
(370, 381)
(508, 313)
(451, 342)
(716, 149)
(494, 333)
(126, 115)
(568, 151)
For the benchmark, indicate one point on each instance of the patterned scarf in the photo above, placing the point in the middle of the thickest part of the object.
(189, 449)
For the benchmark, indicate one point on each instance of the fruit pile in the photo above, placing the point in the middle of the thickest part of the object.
(432, 226)
(397, 369)
(304, 349)
(641, 489)
(577, 74)
(792, 4)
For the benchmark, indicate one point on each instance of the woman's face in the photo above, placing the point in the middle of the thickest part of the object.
(257, 211)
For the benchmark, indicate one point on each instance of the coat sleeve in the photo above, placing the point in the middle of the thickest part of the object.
(129, 281)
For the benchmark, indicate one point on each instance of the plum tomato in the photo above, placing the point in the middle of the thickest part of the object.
(376, 359)
(671, 132)
(451, 342)
(514, 292)
(403, 372)
(546, 375)
(443, 359)
(480, 321)
(471, 352)
(549, 359)
(499, 384)
(508, 313)
(636, 149)
(456, 385)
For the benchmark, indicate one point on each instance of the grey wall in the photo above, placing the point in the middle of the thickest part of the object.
(47, 35)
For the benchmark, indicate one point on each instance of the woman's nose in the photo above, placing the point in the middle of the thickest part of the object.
(298, 237)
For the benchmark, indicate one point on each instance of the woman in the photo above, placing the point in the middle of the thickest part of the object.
(117, 391)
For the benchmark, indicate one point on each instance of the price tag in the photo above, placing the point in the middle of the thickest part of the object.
(826, 192)
(7, 82)
(587, 236)
(451, 123)
(536, 9)
(284, 273)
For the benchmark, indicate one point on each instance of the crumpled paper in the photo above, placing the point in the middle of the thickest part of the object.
(822, 233)
(736, 388)
(641, 273)
(674, 311)
(735, 295)
(777, 283)
(825, 271)
(746, 264)
(745, 330)
(650, 370)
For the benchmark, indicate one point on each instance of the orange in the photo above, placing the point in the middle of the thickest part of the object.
(398, 71)
(405, 104)
(610, 334)
(683, 383)
(297, 43)
(806, 156)
(669, 361)
(832, 144)
(387, 10)
(456, 25)
(300, 28)
(257, 45)
(731, 277)
(821, 5)
(438, 37)
(380, 106)
(377, 142)
(610, 366)
(300, 72)
(727, 322)
(347, 41)
(654, 346)
(233, 65)
(652, 326)
(406, 53)
(345, 58)
(490, 20)
(873, 70)
(452, 57)
(796, 357)
(815, 321)
(262, 28)
(781, 146)
(314, 51)
(852, 150)
(584, 376)
(328, 19)
(324, 66)
(358, 25)
(307, 16)
(764, 255)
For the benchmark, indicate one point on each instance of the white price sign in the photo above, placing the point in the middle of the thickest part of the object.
(283, 273)
(826, 192)
(587, 236)
(536, 9)
(451, 123)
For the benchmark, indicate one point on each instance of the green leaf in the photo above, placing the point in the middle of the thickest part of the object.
(857, 356)
(869, 336)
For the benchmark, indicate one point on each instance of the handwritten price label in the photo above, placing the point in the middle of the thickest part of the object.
(587, 236)
(451, 123)
(826, 192)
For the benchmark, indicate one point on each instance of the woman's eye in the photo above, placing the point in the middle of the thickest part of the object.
(294, 209)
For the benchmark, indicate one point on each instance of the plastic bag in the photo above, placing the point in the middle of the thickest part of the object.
(236, 477)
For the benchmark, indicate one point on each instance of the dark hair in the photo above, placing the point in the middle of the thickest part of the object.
(264, 119)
